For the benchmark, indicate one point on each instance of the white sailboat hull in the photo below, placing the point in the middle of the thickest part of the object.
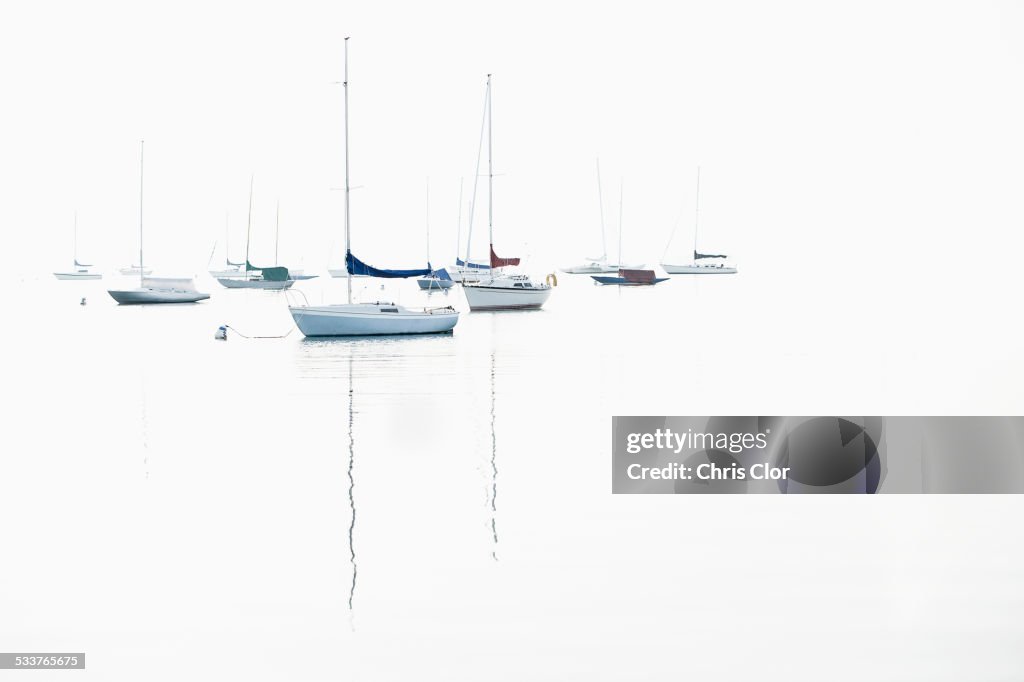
(147, 295)
(134, 270)
(78, 275)
(497, 295)
(371, 319)
(698, 269)
(242, 283)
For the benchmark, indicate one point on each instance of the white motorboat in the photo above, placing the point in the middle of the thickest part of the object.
(155, 289)
(368, 319)
(160, 290)
(695, 268)
(81, 270)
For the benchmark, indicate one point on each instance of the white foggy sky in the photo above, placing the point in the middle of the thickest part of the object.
(849, 138)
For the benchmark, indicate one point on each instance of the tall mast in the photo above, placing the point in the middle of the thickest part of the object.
(142, 265)
(277, 229)
(248, 229)
(76, 239)
(490, 172)
(621, 183)
(227, 242)
(428, 223)
(600, 204)
(696, 217)
(348, 244)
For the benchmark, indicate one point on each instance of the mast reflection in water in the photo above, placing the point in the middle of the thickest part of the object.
(351, 481)
(494, 469)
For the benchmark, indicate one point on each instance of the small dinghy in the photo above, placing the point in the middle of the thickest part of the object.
(438, 279)
(636, 278)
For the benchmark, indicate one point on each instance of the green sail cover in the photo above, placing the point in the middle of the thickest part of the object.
(275, 274)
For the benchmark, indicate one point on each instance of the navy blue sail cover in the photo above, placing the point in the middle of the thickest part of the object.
(358, 267)
(443, 275)
(698, 256)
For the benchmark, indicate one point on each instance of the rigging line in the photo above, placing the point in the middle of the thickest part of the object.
(476, 181)
(672, 236)
(280, 336)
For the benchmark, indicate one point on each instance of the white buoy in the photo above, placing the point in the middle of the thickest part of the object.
(221, 333)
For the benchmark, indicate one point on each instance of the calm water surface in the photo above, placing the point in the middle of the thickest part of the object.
(439, 507)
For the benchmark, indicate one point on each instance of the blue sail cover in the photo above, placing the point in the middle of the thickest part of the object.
(473, 266)
(358, 267)
(443, 275)
(698, 256)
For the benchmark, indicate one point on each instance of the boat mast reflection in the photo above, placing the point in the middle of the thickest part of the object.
(351, 480)
(494, 468)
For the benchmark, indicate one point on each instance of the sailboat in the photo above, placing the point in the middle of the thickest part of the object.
(81, 270)
(594, 264)
(499, 291)
(695, 268)
(275, 278)
(437, 279)
(368, 319)
(231, 268)
(598, 265)
(155, 289)
(627, 276)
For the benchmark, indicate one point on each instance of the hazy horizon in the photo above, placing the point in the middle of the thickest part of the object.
(827, 137)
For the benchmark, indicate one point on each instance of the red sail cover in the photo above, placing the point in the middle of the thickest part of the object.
(501, 262)
(637, 276)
